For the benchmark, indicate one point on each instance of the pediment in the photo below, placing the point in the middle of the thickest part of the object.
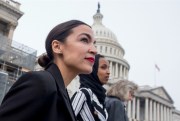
(161, 92)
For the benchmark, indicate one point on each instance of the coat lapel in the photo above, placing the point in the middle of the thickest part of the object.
(53, 69)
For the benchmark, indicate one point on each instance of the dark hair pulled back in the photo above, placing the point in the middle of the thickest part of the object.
(60, 33)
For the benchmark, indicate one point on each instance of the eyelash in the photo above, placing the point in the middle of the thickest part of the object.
(104, 67)
(85, 40)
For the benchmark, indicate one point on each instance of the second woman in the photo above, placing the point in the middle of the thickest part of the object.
(88, 101)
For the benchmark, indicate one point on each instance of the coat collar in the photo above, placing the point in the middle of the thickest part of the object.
(54, 70)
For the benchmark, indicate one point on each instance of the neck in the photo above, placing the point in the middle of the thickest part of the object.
(67, 73)
(67, 77)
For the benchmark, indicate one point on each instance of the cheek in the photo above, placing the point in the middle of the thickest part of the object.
(130, 97)
(127, 96)
(74, 45)
(75, 52)
(80, 51)
(101, 75)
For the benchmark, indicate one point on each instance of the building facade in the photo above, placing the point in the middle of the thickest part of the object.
(15, 58)
(152, 104)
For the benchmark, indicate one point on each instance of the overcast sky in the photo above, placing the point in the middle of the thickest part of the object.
(148, 30)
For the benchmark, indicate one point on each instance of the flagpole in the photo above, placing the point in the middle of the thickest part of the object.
(156, 68)
(154, 76)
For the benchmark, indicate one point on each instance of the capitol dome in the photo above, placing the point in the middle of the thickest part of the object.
(100, 31)
(107, 44)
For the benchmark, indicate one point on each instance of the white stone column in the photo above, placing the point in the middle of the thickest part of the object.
(154, 110)
(116, 69)
(11, 32)
(129, 110)
(133, 108)
(110, 63)
(113, 68)
(138, 109)
(146, 109)
(170, 116)
(103, 49)
(100, 50)
(150, 110)
(122, 76)
(121, 70)
(127, 73)
(124, 72)
(158, 112)
(162, 113)
(165, 114)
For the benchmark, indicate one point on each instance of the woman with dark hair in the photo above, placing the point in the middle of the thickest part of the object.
(42, 95)
(117, 95)
(88, 101)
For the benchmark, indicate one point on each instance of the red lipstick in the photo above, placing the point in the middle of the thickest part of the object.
(91, 59)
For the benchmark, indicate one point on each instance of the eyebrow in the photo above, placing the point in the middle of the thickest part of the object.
(87, 35)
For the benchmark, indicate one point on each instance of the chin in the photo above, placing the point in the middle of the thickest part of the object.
(87, 71)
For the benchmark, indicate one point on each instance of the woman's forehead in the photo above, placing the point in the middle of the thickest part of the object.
(83, 29)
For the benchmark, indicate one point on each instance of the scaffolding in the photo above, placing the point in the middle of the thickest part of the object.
(18, 54)
(3, 84)
(15, 59)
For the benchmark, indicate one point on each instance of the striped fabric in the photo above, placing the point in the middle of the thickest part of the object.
(87, 107)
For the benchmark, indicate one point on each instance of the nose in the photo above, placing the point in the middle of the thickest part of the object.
(93, 50)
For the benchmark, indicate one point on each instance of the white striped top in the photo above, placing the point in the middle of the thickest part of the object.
(86, 110)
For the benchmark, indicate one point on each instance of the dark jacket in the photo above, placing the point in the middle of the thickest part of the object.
(38, 96)
(116, 109)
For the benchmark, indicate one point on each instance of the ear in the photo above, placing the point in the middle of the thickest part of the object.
(56, 46)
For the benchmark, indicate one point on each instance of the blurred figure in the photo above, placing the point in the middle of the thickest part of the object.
(88, 101)
(117, 96)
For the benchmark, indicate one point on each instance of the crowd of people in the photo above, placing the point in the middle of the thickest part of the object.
(42, 95)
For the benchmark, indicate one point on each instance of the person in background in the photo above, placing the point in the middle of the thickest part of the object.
(117, 95)
(42, 95)
(88, 101)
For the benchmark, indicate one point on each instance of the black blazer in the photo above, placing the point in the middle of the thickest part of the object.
(38, 96)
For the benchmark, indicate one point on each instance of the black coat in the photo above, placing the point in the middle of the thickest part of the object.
(116, 109)
(38, 96)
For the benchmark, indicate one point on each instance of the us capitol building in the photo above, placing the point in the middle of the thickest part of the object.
(149, 104)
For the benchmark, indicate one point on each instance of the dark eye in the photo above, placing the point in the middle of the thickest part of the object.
(85, 40)
(104, 67)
